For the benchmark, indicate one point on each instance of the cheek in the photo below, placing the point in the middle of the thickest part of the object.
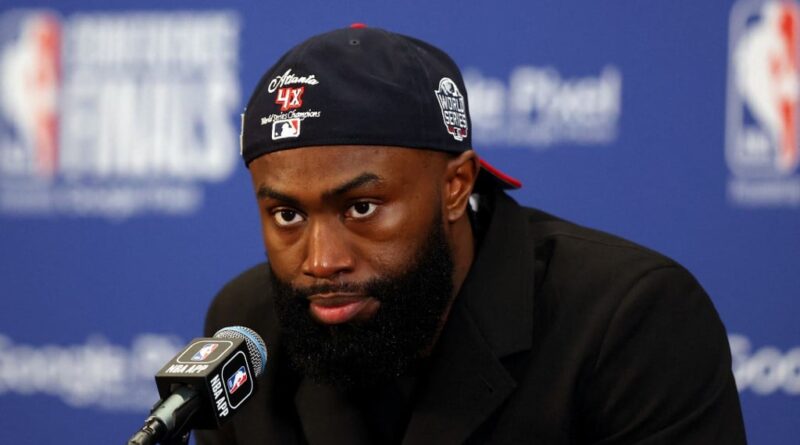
(390, 245)
(386, 258)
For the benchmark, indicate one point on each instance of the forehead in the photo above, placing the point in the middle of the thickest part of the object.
(310, 167)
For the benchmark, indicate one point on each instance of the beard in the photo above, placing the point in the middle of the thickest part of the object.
(367, 353)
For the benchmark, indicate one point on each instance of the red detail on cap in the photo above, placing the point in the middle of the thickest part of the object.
(358, 25)
(508, 180)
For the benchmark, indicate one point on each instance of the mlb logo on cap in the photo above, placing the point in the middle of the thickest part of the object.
(283, 129)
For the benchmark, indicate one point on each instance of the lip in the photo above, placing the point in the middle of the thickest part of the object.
(341, 308)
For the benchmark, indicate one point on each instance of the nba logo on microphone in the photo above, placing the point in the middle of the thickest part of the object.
(30, 83)
(237, 380)
(763, 101)
(204, 352)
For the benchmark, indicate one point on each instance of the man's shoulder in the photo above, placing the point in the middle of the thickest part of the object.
(244, 300)
(559, 241)
(624, 322)
(581, 267)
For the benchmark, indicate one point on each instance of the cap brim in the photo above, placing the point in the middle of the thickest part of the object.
(497, 177)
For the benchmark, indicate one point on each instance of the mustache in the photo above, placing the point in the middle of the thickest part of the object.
(334, 288)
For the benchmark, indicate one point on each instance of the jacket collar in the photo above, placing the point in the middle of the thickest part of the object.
(491, 318)
(498, 291)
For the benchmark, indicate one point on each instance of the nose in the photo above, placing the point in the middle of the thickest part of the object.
(328, 254)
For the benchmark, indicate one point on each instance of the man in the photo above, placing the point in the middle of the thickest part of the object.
(408, 299)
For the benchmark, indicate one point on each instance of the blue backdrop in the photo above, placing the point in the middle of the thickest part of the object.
(124, 206)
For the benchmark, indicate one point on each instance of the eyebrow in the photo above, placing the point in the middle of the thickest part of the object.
(267, 192)
(360, 180)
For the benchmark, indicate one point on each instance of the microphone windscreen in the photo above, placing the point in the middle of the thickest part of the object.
(255, 345)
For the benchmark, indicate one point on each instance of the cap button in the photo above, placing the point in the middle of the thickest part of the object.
(358, 25)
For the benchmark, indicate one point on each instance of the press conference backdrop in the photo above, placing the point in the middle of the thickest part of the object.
(124, 205)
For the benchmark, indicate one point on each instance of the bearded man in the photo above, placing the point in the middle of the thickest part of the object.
(408, 299)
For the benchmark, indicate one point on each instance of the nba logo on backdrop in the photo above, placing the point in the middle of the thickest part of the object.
(116, 114)
(30, 65)
(762, 138)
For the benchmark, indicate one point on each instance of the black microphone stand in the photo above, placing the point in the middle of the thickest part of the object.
(168, 420)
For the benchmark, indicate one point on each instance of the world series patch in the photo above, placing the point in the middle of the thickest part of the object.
(454, 108)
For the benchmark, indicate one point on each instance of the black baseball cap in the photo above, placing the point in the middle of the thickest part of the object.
(362, 86)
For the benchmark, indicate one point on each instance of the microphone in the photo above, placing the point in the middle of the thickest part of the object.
(204, 385)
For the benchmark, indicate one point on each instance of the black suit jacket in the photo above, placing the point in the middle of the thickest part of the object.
(560, 335)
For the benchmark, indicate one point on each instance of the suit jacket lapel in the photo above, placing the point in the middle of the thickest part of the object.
(499, 290)
(491, 318)
(466, 384)
(327, 417)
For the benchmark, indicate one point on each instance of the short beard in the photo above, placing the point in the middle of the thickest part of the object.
(364, 354)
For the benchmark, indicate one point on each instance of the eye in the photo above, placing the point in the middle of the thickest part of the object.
(287, 217)
(361, 209)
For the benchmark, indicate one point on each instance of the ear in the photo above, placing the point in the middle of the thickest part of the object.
(460, 175)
